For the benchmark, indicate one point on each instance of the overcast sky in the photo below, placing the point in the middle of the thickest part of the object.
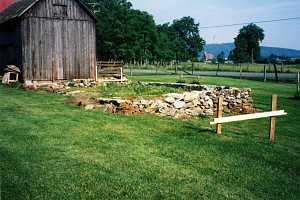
(218, 12)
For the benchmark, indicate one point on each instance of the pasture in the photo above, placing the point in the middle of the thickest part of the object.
(52, 150)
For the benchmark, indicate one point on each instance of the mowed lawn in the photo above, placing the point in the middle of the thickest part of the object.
(51, 150)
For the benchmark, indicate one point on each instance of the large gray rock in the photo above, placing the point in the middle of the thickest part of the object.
(170, 99)
(176, 96)
(179, 104)
(197, 111)
(190, 96)
(210, 103)
(89, 107)
(209, 112)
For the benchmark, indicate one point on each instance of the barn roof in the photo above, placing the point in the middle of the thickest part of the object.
(19, 7)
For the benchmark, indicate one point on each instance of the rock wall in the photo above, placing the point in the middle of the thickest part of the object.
(185, 105)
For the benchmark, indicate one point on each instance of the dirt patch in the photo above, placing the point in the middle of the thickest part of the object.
(82, 100)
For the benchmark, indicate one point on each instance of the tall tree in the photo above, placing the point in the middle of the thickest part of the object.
(187, 38)
(124, 33)
(165, 49)
(247, 43)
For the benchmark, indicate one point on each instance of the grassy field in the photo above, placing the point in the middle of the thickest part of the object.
(200, 66)
(51, 150)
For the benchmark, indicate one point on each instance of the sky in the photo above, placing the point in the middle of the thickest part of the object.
(285, 34)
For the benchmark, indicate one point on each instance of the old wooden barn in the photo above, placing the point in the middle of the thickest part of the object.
(49, 39)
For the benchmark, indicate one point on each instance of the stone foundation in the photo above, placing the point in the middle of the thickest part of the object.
(59, 86)
(183, 105)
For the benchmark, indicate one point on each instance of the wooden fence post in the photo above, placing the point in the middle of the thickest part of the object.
(276, 72)
(217, 73)
(298, 82)
(219, 115)
(265, 73)
(193, 68)
(241, 70)
(121, 71)
(273, 119)
(96, 73)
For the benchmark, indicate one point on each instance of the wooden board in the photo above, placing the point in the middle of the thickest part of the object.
(248, 117)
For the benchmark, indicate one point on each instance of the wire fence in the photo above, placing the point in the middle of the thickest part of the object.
(260, 71)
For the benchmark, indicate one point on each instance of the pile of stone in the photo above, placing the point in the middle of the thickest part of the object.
(59, 86)
(183, 105)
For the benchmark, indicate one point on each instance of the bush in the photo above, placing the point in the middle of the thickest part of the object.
(181, 81)
(197, 82)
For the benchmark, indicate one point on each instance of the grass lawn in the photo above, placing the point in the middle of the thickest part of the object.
(51, 150)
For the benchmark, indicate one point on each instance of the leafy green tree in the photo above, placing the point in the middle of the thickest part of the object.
(124, 33)
(187, 38)
(140, 37)
(247, 43)
(165, 49)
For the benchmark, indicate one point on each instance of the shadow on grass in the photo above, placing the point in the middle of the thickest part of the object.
(14, 177)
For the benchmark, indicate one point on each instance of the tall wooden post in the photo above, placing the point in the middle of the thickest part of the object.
(241, 70)
(96, 73)
(298, 82)
(273, 119)
(276, 72)
(219, 115)
(121, 71)
(192, 68)
(265, 73)
(217, 73)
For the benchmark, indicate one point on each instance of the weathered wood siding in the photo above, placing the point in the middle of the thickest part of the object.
(58, 47)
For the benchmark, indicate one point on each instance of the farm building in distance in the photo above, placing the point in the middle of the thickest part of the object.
(49, 40)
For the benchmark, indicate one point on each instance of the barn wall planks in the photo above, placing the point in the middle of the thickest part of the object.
(46, 9)
(56, 48)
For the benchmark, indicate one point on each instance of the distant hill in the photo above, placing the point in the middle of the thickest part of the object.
(216, 49)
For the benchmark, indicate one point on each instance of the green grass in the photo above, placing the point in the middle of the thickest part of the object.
(133, 90)
(51, 150)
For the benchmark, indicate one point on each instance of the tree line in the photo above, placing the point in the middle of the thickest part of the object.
(131, 35)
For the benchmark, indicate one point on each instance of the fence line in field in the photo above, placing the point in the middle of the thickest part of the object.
(199, 66)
